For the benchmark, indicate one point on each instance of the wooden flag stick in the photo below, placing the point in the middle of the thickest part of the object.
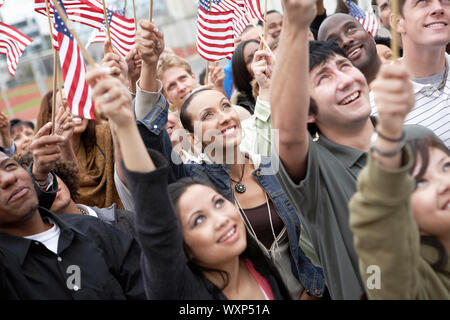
(207, 72)
(394, 35)
(265, 18)
(134, 12)
(151, 10)
(107, 24)
(55, 69)
(86, 54)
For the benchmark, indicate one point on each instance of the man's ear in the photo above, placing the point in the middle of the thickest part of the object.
(194, 76)
(400, 22)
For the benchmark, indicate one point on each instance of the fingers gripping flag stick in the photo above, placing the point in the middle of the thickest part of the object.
(78, 93)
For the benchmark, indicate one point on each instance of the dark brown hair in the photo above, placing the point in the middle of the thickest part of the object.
(421, 149)
(67, 171)
(252, 251)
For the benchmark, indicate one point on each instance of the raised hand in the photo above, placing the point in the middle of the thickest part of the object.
(115, 62)
(111, 97)
(134, 63)
(299, 13)
(113, 101)
(394, 98)
(262, 66)
(216, 77)
(149, 42)
(46, 151)
(5, 133)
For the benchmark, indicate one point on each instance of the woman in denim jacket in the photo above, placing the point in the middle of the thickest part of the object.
(248, 180)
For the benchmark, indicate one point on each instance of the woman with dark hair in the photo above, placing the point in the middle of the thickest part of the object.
(92, 145)
(194, 243)
(243, 74)
(247, 180)
(400, 215)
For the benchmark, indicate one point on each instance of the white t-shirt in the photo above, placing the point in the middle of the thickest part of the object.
(48, 238)
(432, 106)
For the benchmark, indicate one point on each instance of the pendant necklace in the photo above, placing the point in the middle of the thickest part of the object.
(239, 187)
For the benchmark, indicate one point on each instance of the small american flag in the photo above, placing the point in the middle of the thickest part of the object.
(77, 91)
(12, 44)
(368, 21)
(90, 12)
(97, 36)
(236, 7)
(215, 33)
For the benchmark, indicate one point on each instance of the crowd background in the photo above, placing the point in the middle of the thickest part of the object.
(251, 212)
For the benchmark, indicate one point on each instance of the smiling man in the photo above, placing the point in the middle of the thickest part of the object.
(64, 257)
(357, 43)
(425, 32)
(319, 175)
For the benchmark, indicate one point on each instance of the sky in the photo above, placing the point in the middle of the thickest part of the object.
(15, 10)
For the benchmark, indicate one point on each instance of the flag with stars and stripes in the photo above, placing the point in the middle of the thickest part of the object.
(368, 21)
(12, 44)
(77, 91)
(97, 36)
(215, 32)
(90, 13)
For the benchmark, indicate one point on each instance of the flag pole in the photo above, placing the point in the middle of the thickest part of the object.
(86, 54)
(134, 12)
(207, 72)
(107, 24)
(55, 68)
(151, 10)
(265, 19)
(394, 35)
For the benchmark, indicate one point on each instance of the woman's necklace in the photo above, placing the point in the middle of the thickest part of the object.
(239, 187)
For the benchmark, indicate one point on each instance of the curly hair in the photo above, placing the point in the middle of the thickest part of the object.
(67, 171)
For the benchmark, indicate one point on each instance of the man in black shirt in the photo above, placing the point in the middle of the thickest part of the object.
(44, 256)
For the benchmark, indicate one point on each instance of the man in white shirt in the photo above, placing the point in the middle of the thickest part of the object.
(425, 32)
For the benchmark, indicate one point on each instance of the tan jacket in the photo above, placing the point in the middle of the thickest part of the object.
(386, 236)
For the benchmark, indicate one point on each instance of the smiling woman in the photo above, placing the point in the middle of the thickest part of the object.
(247, 180)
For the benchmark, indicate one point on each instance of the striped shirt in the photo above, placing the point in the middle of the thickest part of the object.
(432, 107)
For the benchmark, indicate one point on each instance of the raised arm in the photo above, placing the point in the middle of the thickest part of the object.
(290, 87)
(385, 233)
(158, 231)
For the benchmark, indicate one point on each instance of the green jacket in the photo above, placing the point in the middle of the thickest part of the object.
(386, 236)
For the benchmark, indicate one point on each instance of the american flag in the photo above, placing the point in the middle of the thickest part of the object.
(97, 36)
(90, 12)
(215, 33)
(78, 93)
(368, 21)
(253, 7)
(12, 44)
(236, 7)
(2, 2)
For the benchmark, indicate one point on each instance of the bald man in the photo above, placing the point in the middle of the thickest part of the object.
(358, 44)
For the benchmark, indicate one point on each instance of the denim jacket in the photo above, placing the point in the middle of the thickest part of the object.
(151, 127)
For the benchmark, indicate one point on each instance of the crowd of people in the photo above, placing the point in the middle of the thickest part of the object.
(310, 167)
